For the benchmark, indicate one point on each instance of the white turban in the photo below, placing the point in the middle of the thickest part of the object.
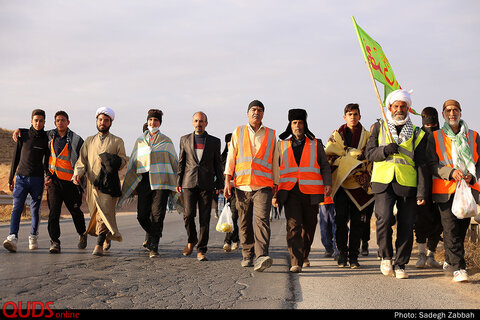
(105, 110)
(398, 95)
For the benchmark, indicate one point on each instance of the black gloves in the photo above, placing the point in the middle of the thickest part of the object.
(390, 149)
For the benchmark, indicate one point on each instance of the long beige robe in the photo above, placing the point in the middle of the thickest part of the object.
(100, 205)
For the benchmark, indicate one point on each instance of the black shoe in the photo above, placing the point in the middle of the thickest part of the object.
(54, 247)
(365, 249)
(342, 260)
(354, 263)
(82, 241)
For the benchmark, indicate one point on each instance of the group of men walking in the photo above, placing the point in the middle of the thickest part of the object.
(395, 164)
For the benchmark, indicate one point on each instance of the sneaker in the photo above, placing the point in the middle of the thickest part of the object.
(10, 243)
(342, 260)
(153, 253)
(262, 263)
(82, 241)
(295, 269)
(364, 249)
(54, 247)
(32, 242)
(235, 246)
(400, 273)
(354, 263)
(386, 267)
(422, 260)
(460, 276)
(227, 248)
(432, 263)
(246, 262)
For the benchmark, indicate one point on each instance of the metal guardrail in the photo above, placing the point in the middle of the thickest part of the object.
(8, 199)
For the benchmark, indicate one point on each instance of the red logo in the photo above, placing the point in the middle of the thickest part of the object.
(30, 309)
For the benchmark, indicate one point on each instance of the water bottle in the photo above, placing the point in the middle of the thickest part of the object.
(221, 202)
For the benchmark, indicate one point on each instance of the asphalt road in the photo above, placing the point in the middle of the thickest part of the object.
(126, 278)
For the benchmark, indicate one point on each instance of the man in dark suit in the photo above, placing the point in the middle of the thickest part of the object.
(199, 173)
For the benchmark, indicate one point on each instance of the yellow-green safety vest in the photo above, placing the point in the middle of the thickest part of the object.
(399, 165)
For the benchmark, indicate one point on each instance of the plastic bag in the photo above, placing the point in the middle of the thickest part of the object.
(463, 205)
(225, 221)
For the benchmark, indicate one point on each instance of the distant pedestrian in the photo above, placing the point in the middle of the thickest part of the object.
(252, 162)
(29, 165)
(305, 179)
(327, 227)
(232, 239)
(199, 174)
(101, 157)
(428, 226)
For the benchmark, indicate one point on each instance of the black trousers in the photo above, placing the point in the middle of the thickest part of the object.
(194, 197)
(59, 192)
(301, 224)
(428, 225)
(348, 239)
(454, 232)
(151, 209)
(405, 219)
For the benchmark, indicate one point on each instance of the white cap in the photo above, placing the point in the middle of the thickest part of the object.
(105, 110)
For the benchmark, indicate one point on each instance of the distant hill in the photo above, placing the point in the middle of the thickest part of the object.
(7, 146)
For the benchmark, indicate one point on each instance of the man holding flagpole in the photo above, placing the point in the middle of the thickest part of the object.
(395, 180)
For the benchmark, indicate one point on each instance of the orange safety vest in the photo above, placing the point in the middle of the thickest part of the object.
(60, 164)
(307, 175)
(443, 147)
(254, 169)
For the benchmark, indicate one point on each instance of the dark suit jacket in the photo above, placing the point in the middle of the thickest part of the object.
(374, 152)
(206, 173)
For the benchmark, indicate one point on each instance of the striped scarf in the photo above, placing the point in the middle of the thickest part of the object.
(156, 156)
(461, 153)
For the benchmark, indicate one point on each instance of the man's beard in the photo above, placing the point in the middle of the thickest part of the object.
(104, 130)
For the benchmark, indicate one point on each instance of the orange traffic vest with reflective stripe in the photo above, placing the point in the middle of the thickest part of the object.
(254, 169)
(60, 164)
(307, 174)
(443, 147)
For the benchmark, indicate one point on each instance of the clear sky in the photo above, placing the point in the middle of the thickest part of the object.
(183, 56)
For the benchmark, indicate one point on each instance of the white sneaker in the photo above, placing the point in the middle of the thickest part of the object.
(10, 243)
(386, 267)
(235, 246)
(401, 273)
(460, 276)
(32, 242)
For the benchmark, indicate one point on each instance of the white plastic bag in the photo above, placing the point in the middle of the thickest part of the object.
(463, 205)
(225, 221)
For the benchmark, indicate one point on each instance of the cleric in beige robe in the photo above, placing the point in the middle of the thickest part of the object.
(101, 205)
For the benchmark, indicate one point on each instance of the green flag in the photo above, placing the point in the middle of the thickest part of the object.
(377, 62)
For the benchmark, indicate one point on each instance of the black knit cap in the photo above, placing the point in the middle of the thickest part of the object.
(256, 103)
(296, 114)
(429, 116)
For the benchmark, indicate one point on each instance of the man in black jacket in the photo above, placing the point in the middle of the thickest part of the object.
(199, 173)
(395, 180)
(29, 164)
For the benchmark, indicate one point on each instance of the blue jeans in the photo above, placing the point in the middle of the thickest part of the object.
(24, 186)
(327, 227)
